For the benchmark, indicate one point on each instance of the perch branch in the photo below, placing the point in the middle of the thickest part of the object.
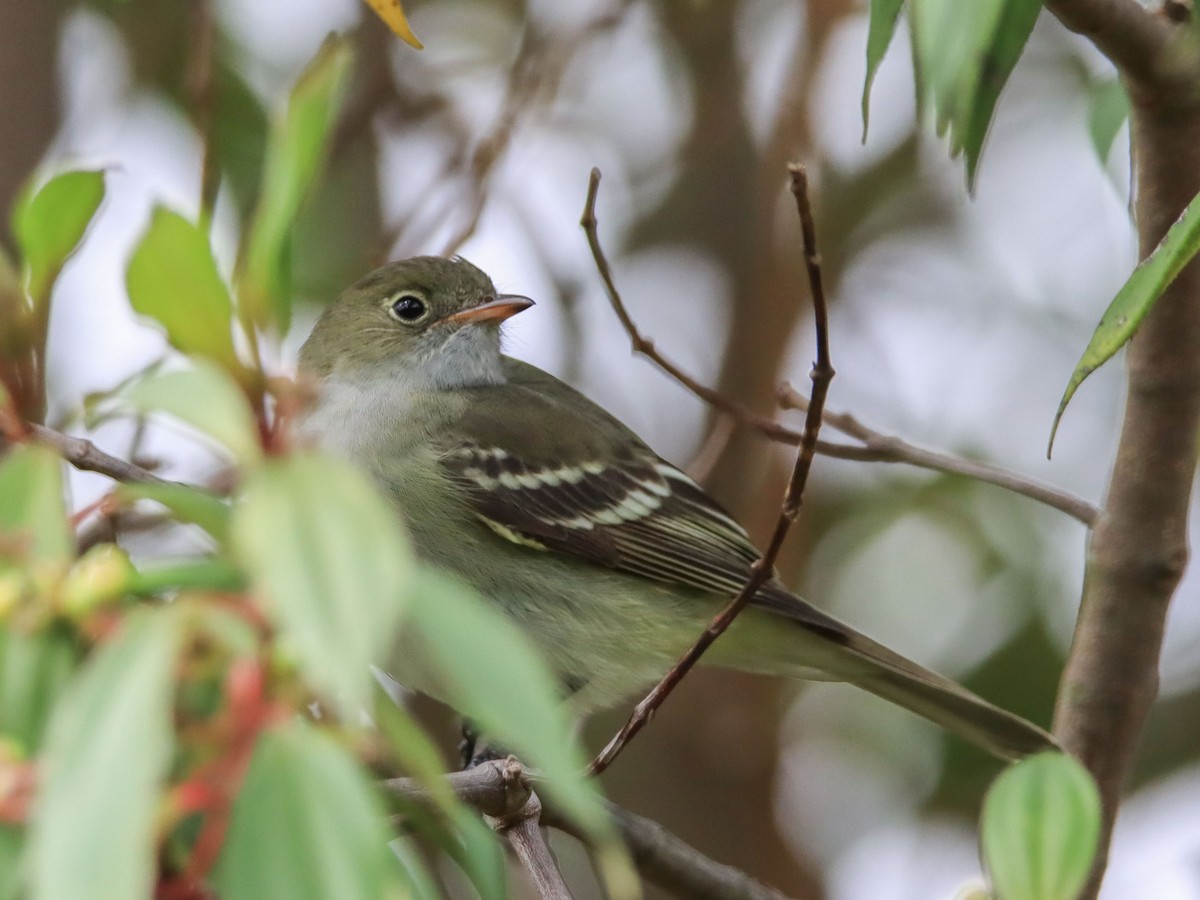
(660, 856)
(83, 454)
(1130, 35)
(822, 374)
(879, 447)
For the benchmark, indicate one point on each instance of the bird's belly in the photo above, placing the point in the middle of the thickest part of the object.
(606, 635)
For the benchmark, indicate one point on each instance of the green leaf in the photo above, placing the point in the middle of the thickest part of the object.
(34, 668)
(194, 574)
(473, 846)
(306, 824)
(189, 504)
(49, 224)
(107, 752)
(884, 14)
(1108, 108)
(204, 397)
(1040, 828)
(964, 53)
(333, 563)
(421, 885)
(33, 519)
(12, 845)
(295, 153)
(1134, 300)
(492, 674)
(173, 279)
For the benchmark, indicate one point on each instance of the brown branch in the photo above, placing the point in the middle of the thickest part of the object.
(878, 447)
(1131, 36)
(821, 375)
(660, 856)
(1139, 547)
(83, 454)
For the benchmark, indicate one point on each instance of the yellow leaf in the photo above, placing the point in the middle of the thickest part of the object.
(393, 14)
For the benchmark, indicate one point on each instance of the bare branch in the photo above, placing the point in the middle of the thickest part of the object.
(83, 454)
(822, 374)
(879, 447)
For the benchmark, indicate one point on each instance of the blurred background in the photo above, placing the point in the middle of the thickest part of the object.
(956, 321)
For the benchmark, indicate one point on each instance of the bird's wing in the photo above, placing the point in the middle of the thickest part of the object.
(587, 486)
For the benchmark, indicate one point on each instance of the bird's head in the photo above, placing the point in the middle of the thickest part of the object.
(437, 317)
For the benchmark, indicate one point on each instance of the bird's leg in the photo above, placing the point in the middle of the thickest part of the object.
(474, 748)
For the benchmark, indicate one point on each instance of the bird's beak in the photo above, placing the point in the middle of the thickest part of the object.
(498, 310)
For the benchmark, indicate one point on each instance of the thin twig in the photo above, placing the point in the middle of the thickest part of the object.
(524, 835)
(879, 447)
(761, 572)
(659, 855)
(83, 454)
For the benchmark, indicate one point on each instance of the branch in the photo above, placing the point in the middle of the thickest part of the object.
(501, 790)
(761, 572)
(879, 447)
(1139, 547)
(83, 454)
(660, 856)
(1131, 36)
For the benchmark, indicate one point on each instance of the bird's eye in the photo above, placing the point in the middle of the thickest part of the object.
(408, 308)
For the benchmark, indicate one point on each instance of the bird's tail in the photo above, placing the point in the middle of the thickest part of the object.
(827, 649)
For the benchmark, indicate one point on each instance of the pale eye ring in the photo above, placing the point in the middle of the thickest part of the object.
(408, 308)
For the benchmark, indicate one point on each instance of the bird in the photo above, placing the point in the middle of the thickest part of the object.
(607, 556)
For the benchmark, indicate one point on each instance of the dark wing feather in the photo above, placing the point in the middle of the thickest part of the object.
(591, 488)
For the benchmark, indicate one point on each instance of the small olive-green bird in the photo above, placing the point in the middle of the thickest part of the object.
(606, 555)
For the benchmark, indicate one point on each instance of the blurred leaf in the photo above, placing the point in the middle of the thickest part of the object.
(964, 53)
(392, 14)
(1149, 280)
(239, 134)
(193, 574)
(421, 885)
(31, 506)
(884, 14)
(188, 504)
(473, 846)
(306, 824)
(101, 577)
(173, 279)
(12, 842)
(1108, 108)
(33, 671)
(295, 152)
(1039, 829)
(204, 397)
(49, 224)
(333, 563)
(493, 675)
(107, 751)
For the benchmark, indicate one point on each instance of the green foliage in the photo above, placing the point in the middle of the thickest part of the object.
(204, 397)
(32, 518)
(963, 54)
(173, 279)
(1039, 830)
(1135, 299)
(295, 152)
(883, 17)
(307, 824)
(331, 560)
(107, 751)
(50, 222)
(188, 504)
(1108, 110)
